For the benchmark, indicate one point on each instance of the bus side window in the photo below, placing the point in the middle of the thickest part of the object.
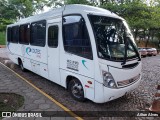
(24, 34)
(53, 36)
(9, 30)
(15, 34)
(76, 37)
(38, 33)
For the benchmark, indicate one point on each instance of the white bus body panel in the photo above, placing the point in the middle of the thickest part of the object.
(53, 53)
(14, 51)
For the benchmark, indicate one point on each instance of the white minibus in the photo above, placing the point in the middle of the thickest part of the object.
(88, 50)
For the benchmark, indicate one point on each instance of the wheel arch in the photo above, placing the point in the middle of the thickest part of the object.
(73, 82)
(71, 77)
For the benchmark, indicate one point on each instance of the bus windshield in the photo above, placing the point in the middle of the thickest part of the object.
(113, 38)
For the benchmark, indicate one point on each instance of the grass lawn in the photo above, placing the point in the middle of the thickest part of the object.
(10, 102)
(2, 38)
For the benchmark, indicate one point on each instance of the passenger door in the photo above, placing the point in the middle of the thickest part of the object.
(53, 51)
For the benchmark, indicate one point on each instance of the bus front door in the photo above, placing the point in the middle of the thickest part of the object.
(53, 52)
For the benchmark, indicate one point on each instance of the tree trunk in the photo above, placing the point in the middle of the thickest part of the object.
(135, 33)
(148, 36)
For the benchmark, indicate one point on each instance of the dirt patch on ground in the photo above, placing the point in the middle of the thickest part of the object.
(10, 102)
(2, 46)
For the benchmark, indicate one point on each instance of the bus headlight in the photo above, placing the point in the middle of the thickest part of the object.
(108, 80)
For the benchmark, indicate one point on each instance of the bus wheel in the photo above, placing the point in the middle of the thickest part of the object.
(76, 90)
(21, 66)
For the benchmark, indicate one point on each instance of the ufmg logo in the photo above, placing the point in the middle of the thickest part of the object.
(28, 50)
(33, 51)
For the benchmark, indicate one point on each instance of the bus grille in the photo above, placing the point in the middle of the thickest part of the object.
(129, 81)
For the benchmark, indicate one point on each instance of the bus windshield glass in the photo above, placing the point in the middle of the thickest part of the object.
(113, 38)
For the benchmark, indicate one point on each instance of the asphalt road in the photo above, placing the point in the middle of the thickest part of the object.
(138, 100)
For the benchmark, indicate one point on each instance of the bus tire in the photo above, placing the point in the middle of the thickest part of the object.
(76, 90)
(21, 66)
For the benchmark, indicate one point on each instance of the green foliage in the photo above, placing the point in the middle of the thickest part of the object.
(3, 23)
(12, 10)
(85, 2)
(136, 13)
(2, 38)
(10, 102)
(143, 19)
(77, 2)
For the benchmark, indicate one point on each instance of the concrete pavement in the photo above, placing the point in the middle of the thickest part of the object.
(34, 100)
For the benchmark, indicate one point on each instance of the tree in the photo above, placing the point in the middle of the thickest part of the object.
(6, 14)
(77, 2)
(144, 19)
(85, 2)
(13, 10)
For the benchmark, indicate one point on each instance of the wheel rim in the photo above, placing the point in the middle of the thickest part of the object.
(77, 90)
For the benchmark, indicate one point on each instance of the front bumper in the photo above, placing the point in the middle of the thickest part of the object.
(104, 94)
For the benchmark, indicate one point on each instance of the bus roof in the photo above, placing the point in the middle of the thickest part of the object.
(65, 10)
